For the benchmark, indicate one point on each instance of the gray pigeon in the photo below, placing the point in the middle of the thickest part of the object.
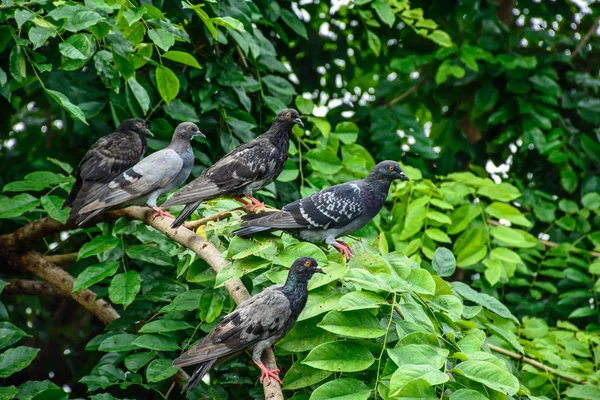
(330, 213)
(108, 158)
(255, 325)
(248, 168)
(146, 181)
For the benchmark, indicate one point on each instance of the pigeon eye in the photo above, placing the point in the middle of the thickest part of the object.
(391, 167)
(288, 116)
(139, 125)
(307, 263)
(188, 127)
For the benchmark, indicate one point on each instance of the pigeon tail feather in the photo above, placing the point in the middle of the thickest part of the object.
(185, 213)
(83, 219)
(198, 374)
(249, 230)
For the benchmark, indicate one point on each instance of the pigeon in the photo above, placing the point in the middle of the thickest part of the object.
(108, 158)
(255, 325)
(248, 168)
(330, 213)
(146, 181)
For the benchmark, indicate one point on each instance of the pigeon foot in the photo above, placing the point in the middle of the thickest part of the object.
(159, 212)
(254, 207)
(344, 249)
(267, 373)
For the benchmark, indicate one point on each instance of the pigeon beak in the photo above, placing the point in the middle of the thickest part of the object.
(299, 122)
(148, 132)
(199, 134)
(319, 270)
(403, 177)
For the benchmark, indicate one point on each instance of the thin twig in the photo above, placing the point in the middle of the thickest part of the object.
(586, 38)
(534, 363)
(405, 94)
(193, 225)
(242, 57)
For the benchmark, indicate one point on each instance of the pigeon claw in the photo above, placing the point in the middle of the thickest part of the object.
(267, 373)
(253, 207)
(159, 212)
(344, 249)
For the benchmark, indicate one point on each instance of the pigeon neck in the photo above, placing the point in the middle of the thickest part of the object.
(179, 145)
(144, 141)
(279, 134)
(378, 189)
(296, 291)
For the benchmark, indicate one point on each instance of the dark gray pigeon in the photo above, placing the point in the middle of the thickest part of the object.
(330, 213)
(248, 168)
(146, 181)
(255, 325)
(109, 157)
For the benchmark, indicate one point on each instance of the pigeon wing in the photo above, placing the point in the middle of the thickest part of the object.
(153, 172)
(258, 318)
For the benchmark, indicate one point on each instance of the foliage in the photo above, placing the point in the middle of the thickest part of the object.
(457, 264)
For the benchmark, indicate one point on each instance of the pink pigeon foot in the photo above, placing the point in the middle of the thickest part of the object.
(344, 249)
(267, 373)
(159, 212)
(253, 207)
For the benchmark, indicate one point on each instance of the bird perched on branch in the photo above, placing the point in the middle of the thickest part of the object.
(146, 181)
(255, 325)
(108, 158)
(248, 168)
(330, 213)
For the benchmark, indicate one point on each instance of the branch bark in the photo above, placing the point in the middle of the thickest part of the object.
(32, 288)
(62, 260)
(193, 225)
(586, 38)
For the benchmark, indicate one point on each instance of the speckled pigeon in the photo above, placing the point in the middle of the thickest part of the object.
(109, 157)
(255, 325)
(146, 181)
(330, 213)
(248, 168)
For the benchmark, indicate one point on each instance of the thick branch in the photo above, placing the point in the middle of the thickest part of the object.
(30, 287)
(62, 260)
(586, 38)
(536, 364)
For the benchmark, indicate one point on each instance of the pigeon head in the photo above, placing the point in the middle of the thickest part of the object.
(389, 171)
(304, 268)
(187, 131)
(136, 125)
(288, 117)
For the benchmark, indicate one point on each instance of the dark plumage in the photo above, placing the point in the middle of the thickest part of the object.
(108, 157)
(248, 168)
(330, 213)
(146, 181)
(255, 325)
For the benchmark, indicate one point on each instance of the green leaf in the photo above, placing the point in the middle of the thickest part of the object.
(78, 47)
(300, 375)
(97, 245)
(279, 85)
(94, 274)
(486, 97)
(449, 304)
(182, 57)
(503, 192)
(438, 235)
(15, 359)
(136, 361)
(360, 300)
(65, 103)
(358, 324)
(347, 132)
(340, 357)
(181, 111)
(342, 389)
(156, 342)
(584, 392)
(229, 23)
(10, 334)
(493, 271)
(8, 392)
(322, 125)
(291, 20)
(165, 325)
(122, 342)
(384, 11)
(160, 369)
(503, 254)
(187, 301)
(420, 281)
(419, 354)
(52, 205)
(467, 394)
(305, 106)
(508, 212)
(591, 201)
(487, 301)
(162, 38)
(39, 35)
(489, 374)
(407, 373)
(63, 165)
(167, 83)
(81, 20)
(443, 262)
(324, 161)
(441, 38)
(17, 206)
(569, 180)
(374, 42)
(446, 70)
(289, 254)
(124, 287)
(140, 93)
(149, 254)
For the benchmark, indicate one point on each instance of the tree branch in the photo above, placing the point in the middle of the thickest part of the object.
(193, 225)
(62, 260)
(32, 288)
(405, 94)
(26, 236)
(586, 38)
(534, 363)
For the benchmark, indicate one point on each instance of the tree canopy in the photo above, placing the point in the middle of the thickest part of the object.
(478, 279)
